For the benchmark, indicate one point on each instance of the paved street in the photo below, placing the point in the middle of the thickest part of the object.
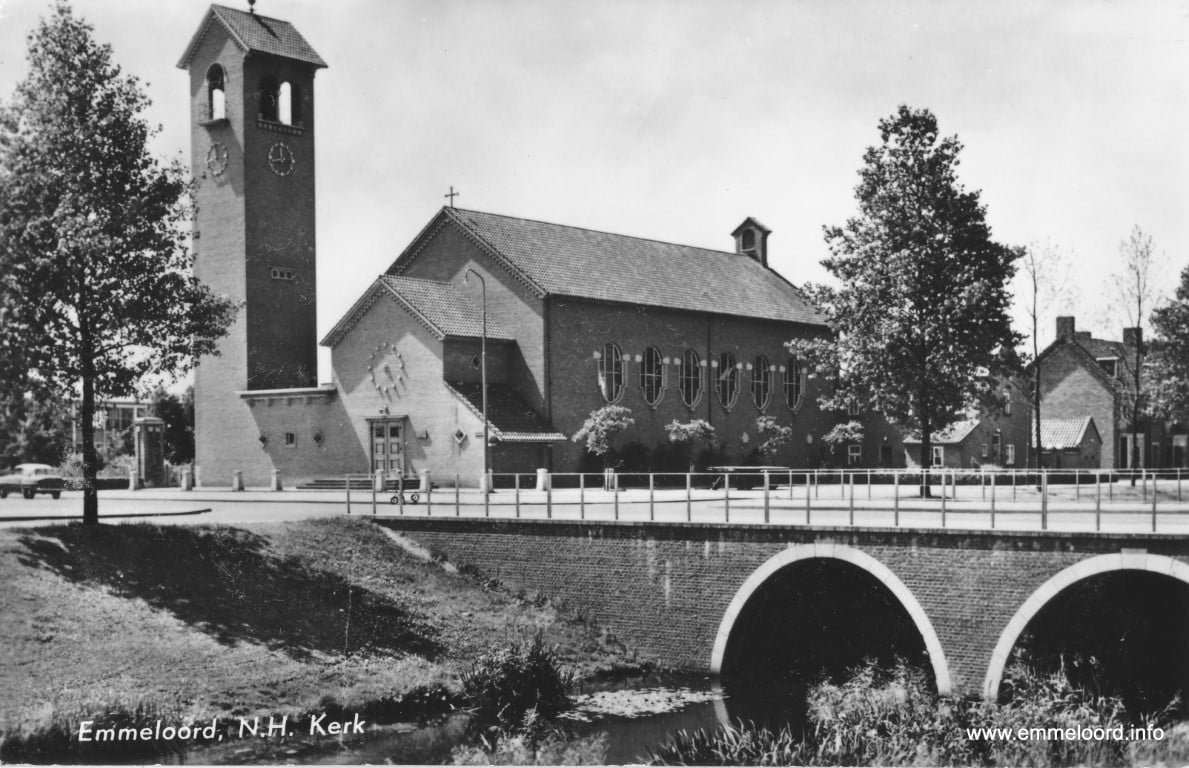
(1122, 508)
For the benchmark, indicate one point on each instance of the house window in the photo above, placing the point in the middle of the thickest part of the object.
(852, 409)
(885, 455)
(728, 380)
(996, 447)
(761, 382)
(984, 450)
(691, 378)
(652, 376)
(1010, 459)
(1110, 365)
(611, 373)
(290, 440)
(216, 93)
(794, 383)
(1007, 403)
(748, 244)
(854, 454)
(939, 455)
(267, 98)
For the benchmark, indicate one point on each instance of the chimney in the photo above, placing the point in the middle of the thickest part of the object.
(1133, 337)
(751, 239)
(1065, 327)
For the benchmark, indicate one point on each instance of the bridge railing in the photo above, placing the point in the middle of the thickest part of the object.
(1073, 499)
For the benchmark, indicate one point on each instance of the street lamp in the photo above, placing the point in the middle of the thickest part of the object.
(483, 358)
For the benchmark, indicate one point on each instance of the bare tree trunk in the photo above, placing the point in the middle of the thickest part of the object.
(90, 455)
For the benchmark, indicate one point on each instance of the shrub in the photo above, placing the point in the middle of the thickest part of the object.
(554, 749)
(516, 687)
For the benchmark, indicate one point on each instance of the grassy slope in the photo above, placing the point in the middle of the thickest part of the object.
(262, 619)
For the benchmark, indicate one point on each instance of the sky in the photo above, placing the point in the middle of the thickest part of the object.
(676, 119)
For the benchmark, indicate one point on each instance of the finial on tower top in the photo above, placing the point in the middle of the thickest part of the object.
(252, 7)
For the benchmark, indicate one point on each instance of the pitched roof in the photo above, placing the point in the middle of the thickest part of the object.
(441, 307)
(254, 33)
(951, 435)
(1056, 434)
(571, 261)
(512, 419)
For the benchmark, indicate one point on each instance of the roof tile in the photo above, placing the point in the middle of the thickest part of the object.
(257, 33)
(1062, 433)
(511, 417)
(445, 307)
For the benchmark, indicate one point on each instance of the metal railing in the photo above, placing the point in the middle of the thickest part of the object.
(1081, 498)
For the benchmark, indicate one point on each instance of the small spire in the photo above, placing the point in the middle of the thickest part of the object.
(252, 7)
(452, 194)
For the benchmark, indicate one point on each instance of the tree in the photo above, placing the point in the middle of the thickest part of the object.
(1168, 356)
(178, 415)
(1135, 292)
(34, 425)
(694, 431)
(920, 318)
(99, 286)
(1046, 281)
(601, 427)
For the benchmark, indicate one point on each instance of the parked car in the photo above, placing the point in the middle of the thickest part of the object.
(30, 480)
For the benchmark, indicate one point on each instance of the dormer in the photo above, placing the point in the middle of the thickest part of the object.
(751, 239)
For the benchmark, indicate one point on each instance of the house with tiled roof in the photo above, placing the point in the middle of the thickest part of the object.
(1070, 443)
(560, 320)
(996, 437)
(1083, 377)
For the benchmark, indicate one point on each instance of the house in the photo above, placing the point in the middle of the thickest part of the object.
(562, 319)
(999, 437)
(1085, 377)
(1070, 443)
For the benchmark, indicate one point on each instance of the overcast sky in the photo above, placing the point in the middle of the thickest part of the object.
(675, 120)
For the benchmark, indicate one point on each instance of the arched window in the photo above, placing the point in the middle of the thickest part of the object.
(794, 383)
(611, 373)
(267, 96)
(289, 104)
(761, 382)
(691, 378)
(728, 380)
(652, 376)
(216, 92)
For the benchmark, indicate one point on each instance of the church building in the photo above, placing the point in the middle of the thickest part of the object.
(572, 319)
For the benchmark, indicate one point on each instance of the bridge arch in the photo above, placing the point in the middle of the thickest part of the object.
(858, 558)
(1122, 561)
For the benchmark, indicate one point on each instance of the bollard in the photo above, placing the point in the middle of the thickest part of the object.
(423, 480)
(275, 483)
(197, 476)
(188, 479)
(134, 480)
(542, 479)
(378, 481)
(237, 480)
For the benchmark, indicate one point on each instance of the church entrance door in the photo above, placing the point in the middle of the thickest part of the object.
(388, 448)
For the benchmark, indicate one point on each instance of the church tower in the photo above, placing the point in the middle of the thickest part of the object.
(252, 153)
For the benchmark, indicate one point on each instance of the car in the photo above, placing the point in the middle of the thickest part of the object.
(30, 480)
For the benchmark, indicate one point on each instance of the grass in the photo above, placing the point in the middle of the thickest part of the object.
(214, 621)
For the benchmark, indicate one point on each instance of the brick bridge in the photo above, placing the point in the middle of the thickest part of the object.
(673, 591)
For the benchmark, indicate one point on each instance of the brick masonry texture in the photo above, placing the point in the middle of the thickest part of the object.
(663, 589)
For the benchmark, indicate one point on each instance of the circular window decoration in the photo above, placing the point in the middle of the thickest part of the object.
(216, 158)
(280, 159)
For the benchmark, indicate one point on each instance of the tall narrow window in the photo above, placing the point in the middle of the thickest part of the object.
(611, 373)
(285, 103)
(691, 378)
(216, 90)
(761, 382)
(794, 383)
(728, 380)
(652, 376)
(267, 96)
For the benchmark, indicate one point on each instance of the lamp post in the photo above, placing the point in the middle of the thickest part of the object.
(483, 363)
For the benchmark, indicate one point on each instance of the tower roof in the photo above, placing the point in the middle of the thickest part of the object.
(254, 33)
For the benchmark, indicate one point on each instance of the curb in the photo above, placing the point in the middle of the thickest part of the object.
(73, 518)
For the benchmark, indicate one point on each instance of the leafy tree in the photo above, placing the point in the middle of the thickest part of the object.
(178, 415)
(601, 427)
(693, 431)
(34, 424)
(98, 281)
(1169, 355)
(921, 313)
(776, 436)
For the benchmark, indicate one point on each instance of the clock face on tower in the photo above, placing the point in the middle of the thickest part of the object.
(280, 159)
(216, 158)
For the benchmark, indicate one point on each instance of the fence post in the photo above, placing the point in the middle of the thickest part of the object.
(457, 507)
(765, 496)
(400, 495)
(615, 495)
(516, 484)
(429, 498)
(726, 486)
(807, 494)
(581, 495)
(992, 499)
(1013, 485)
(651, 497)
(1178, 484)
(549, 498)
(790, 485)
(816, 485)
(943, 490)
(1143, 481)
(895, 498)
(982, 483)
(1077, 484)
(869, 485)
(1153, 503)
(348, 494)
(850, 504)
(1097, 500)
(841, 484)
(1044, 500)
(689, 497)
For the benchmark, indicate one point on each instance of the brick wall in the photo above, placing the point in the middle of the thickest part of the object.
(1070, 391)
(664, 589)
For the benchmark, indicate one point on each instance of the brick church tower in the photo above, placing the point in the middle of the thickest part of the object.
(252, 153)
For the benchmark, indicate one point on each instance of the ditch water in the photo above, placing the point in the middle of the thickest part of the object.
(635, 715)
